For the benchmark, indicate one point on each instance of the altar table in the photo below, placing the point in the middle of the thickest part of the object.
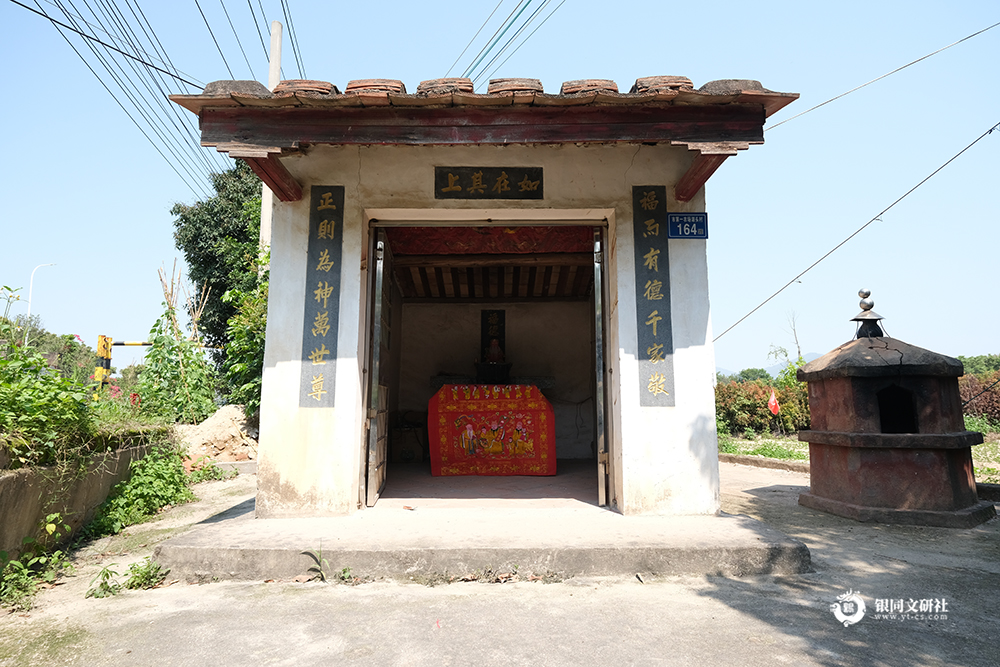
(477, 429)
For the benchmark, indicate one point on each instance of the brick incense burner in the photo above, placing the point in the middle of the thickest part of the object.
(888, 440)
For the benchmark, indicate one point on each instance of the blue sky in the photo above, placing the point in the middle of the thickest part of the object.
(82, 188)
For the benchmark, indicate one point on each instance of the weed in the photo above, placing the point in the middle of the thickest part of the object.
(345, 575)
(104, 584)
(17, 585)
(774, 450)
(204, 470)
(157, 480)
(321, 564)
(145, 574)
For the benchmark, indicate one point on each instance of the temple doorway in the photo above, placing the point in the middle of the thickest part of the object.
(440, 296)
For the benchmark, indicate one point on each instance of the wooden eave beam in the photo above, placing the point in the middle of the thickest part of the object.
(710, 157)
(265, 163)
(288, 127)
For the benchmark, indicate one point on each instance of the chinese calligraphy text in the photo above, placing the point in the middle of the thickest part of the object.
(322, 297)
(488, 183)
(655, 345)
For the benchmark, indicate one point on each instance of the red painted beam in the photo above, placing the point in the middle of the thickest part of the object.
(275, 176)
(290, 127)
(701, 169)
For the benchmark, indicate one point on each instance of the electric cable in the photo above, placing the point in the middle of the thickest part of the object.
(117, 101)
(171, 112)
(237, 36)
(880, 78)
(859, 230)
(495, 33)
(507, 44)
(259, 33)
(473, 38)
(509, 26)
(186, 121)
(526, 39)
(104, 44)
(293, 39)
(148, 114)
(198, 5)
(117, 40)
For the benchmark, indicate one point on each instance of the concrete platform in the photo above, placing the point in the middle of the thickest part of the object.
(427, 527)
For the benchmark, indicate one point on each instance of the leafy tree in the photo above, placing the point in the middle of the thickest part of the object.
(751, 374)
(981, 365)
(244, 364)
(219, 237)
(67, 353)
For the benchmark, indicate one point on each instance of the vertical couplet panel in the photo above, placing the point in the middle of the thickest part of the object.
(652, 300)
(322, 294)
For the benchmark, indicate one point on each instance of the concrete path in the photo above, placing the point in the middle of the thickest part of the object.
(453, 527)
(584, 620)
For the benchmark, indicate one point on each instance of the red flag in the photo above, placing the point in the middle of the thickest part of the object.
(772, 404)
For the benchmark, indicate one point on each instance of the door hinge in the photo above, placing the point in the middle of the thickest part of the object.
(602, 457)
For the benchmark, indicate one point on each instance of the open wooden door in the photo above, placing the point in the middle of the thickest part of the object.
(600, 429)
(378, 391)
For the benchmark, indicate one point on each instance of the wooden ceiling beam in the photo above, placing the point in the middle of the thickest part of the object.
(464, 261)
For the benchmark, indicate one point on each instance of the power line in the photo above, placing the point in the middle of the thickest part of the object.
(105, 44)
(257, 25)
(859, 230)
(237, 36)
(473, 38)
(507, 44)
(526, 39)
(117, 40)
(198, 5)
(148, 114)
(293, 39)
(136, 123)
(880, 78)
(486, 46)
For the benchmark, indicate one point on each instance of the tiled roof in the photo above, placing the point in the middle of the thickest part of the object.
(458, 92)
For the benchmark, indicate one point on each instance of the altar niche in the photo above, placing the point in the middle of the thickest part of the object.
(432, 290)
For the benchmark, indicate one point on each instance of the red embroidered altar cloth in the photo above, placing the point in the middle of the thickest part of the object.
(477, 429)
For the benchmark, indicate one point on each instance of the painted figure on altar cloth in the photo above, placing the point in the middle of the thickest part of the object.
(521, 445)
(494, 438)
(469, 440)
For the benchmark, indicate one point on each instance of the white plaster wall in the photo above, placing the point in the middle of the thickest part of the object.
(664, 459)
(551, 339)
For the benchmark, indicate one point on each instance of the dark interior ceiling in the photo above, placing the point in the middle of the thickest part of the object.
(483, 264)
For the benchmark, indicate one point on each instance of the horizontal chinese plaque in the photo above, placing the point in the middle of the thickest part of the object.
(488, 183)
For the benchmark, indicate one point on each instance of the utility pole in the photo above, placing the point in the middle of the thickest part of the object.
(273, 79)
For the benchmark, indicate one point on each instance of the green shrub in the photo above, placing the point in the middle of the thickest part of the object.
(157, 480)
(176, 381)
(41, 413)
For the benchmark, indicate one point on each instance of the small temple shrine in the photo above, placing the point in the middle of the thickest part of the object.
(493, 283)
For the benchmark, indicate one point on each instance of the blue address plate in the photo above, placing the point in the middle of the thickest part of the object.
(687, 225)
